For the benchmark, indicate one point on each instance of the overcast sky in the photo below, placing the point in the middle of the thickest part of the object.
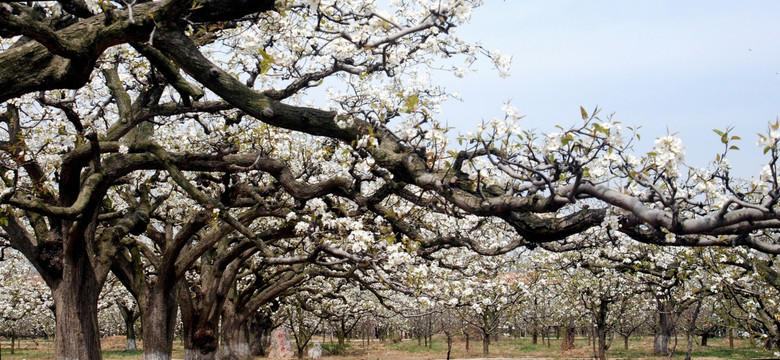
(685, 66)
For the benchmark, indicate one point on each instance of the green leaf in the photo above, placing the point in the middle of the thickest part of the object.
(584, 113)
(601, 129)
(410, 104)
(264, 68)
(734, 147)
(718, 132)
(266, 56)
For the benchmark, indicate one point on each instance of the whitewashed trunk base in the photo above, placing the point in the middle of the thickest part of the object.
(157, 356)
(235, 351)
(194, 354)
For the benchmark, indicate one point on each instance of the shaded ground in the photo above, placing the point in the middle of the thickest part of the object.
(505, 349)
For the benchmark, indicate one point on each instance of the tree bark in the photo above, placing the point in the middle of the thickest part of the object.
(200, 341)
(448, 334)
(258, 327)
(341, 347)
(663, 330)
(601, 330)
(200, 344)
(129, 316)
(691, 327)
(77, 335)
(130, 333)
(236, 343)
(568, 338)
(485, 342)
(731, 338)
(661, 344)
(159, 322)
(235, 336)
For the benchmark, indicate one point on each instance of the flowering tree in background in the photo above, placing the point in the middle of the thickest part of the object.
(118, 312)
(25, 302)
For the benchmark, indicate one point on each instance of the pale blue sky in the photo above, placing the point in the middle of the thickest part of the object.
(685, 66)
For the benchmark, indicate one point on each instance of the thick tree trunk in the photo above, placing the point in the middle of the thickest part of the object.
(77, 335)
(258, 327)
(663, 332)
(601, 337)
(130, 334)
(159, 322)
(466, 334)
(625, 342)
(601, 330)
(485, 342)
(129, 316)
(341, 347)
(201, 342)
(195, 354)
(235, 337)
(661, 344)
(535, 336)
(568, 338)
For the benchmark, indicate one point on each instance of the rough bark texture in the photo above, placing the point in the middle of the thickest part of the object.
(485, 343)
(449, 343)
(159, 321)
(75, 298)
(568, 338)
(663, 331)
(129, 316)
(235, 336)
(196, 354)
(601, 330)
(130, 335)
(259, 327)
(200, 344)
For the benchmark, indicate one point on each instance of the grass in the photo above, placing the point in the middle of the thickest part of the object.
(329, 348)
(122, 354)
(639, 348)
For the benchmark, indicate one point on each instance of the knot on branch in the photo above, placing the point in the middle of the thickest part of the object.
(49, 254)
(205, 340)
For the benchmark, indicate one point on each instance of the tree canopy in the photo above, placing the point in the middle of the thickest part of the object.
(151, 138)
